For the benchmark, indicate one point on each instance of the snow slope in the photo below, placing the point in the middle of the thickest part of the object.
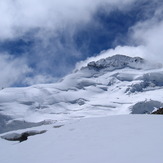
(110, 86)
(114, 139)
(73, 121)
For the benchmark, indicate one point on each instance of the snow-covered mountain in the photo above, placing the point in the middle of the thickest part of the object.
(77, 110)
(110, 86)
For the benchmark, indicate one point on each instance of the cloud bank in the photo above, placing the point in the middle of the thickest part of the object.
(51, 26)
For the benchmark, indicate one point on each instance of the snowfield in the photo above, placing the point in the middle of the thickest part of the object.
(114, 139)
(90, 116)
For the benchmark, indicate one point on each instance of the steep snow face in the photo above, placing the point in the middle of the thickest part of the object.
(110, 86)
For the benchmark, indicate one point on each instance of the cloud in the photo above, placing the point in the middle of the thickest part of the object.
(41, 79)
(13, 70)
(20, 16)
(149, 34)
(52, 24)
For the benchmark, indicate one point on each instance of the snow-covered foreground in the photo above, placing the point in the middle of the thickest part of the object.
(112, 139)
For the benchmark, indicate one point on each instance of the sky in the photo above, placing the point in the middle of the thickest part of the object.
(42, 41)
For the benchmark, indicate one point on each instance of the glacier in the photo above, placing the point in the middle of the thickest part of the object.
(116, 85)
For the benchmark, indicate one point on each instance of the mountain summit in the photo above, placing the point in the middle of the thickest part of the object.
(117, 62)
(110, 86)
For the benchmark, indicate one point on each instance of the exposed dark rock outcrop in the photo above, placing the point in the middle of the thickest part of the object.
(21, 136)
(159, 111)
(116, 62)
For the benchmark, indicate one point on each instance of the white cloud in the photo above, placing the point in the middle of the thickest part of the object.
(12, 70)
(20, 16)
(149, 34)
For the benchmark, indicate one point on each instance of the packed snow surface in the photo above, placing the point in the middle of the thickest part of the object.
(114, 139)
(111, 86)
